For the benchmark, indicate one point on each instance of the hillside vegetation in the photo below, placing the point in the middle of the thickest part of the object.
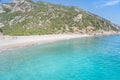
(28, 18)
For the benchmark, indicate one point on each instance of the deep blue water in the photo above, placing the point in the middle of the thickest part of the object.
(93, 58)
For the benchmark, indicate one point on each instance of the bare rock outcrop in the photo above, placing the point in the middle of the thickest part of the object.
(22, 5)
(78, 18)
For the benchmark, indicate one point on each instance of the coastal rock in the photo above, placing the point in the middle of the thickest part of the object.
(78, 18)
(22, 5)
(1, 25)
(1, 9)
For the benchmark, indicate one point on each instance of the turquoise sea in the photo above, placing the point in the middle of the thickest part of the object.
(91, 58)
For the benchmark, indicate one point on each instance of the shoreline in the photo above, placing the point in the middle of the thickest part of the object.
(12, 42)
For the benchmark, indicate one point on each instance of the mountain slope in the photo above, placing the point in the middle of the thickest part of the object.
(28, 18)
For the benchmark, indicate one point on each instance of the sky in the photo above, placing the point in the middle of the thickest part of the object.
(109, 9)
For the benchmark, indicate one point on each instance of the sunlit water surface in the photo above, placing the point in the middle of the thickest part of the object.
(92, 58)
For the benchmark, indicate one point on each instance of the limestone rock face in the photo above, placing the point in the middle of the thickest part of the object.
(78, 18)
(17, 5)
(1, 10)
(1, 25)
(22, 5)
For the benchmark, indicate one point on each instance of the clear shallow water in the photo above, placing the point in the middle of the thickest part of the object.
(95, 58)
